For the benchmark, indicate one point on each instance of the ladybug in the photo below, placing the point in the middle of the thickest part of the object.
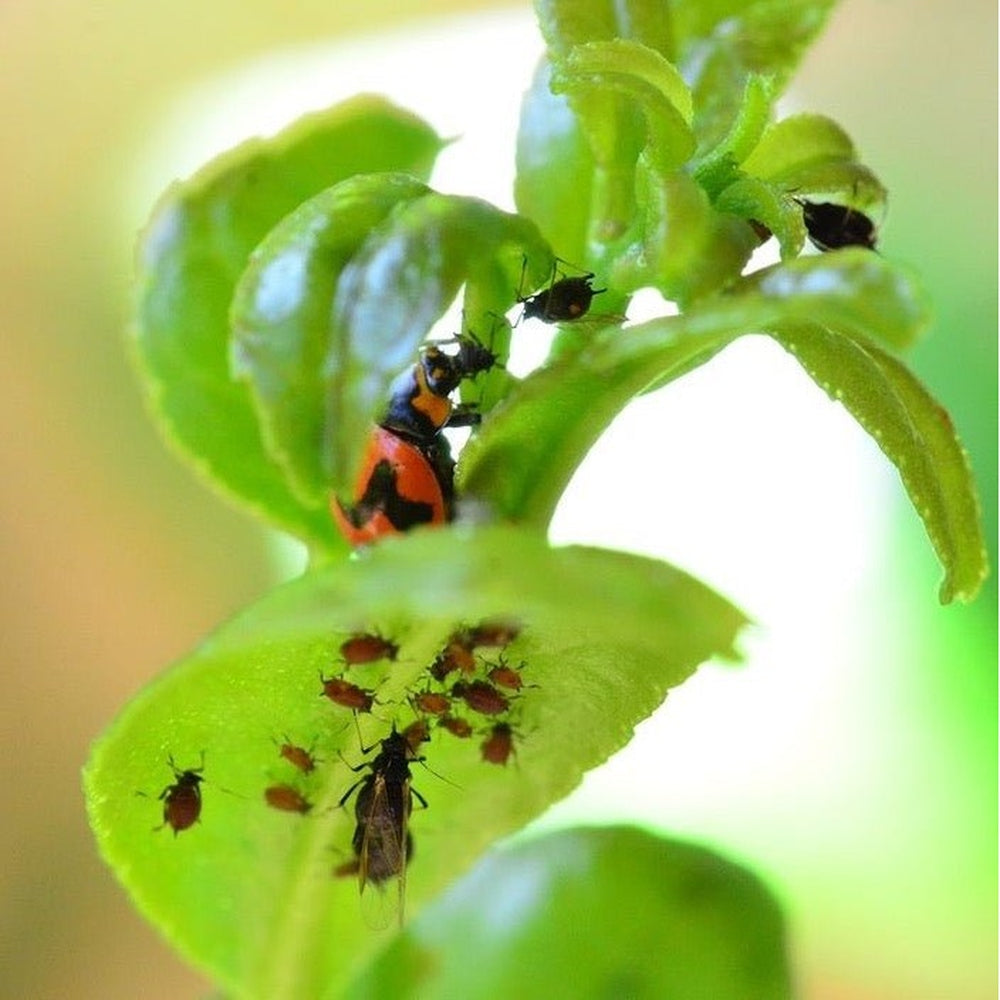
(400, 486)
(832, 226)
(563, 300)
(407, 474)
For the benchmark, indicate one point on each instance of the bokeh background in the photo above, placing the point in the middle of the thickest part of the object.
(852, 761)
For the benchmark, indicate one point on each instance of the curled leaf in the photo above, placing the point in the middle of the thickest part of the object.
(917, 436)
(190, 258)
(283, 323)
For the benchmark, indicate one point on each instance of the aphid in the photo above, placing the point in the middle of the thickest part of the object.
(297, 756)
(456, 725)
(416, 733)
(420, 403)
(457, 655)
(431, 702)
(346, 694)
(498, 745)
(382, 843)
(832, 226)
(506, 676)
(182, 799)
(481, 696)
(367, 648)
(493, 633)
(563, 300)
(287, 799)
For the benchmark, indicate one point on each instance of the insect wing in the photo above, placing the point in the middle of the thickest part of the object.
(382, 843)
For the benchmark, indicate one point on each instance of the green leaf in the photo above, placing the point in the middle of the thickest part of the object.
(684, 247)
(247, 893)
(190, 258)
(525, 455)
(719, 167)
(611, 84)
(282, 321)
(567, 23)
(629, 59)
(797, 140)
(555, 169)
(750, 198)
(398, 284)
(722, 44)
(810, 154)
(853, 291)
(649, 917)
(917, 436)
(826, 310)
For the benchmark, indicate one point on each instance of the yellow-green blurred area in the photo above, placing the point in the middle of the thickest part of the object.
(851, 762)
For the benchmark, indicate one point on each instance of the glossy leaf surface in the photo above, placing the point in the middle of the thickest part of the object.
(190, 258)
(284, 326)
(854, 296)
(247, 893)
(614, 912)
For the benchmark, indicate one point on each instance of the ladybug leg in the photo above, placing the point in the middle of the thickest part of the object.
(464, 415)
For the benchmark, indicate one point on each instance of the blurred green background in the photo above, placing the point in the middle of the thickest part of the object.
(883, 847)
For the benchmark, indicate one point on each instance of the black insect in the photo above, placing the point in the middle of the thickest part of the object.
(832, 226)
(182, 799)
(382, 842)
(563, 300)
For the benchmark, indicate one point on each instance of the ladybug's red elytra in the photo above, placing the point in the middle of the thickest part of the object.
(399, 487)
